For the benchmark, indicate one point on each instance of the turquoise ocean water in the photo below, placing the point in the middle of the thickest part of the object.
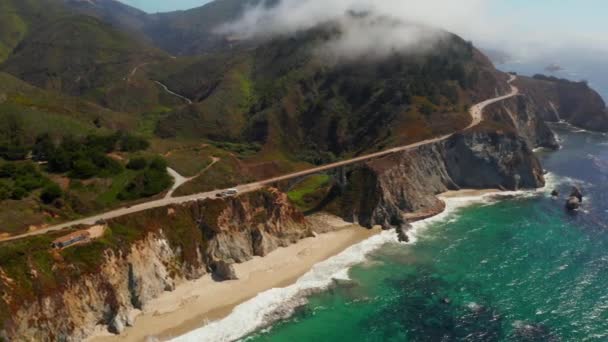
(517, 269)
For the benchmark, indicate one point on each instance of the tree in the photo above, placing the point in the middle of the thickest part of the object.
(138, 163)
(50, 193)
(43, 148)
(131, 143)
(60, 161)
(8, 170)
(18, 193)
(83, 169)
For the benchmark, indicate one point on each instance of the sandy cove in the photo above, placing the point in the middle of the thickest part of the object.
(195, 303)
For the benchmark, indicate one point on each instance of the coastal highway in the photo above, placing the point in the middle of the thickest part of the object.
(476, 112)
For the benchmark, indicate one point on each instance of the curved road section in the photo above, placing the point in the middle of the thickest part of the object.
(476, 114)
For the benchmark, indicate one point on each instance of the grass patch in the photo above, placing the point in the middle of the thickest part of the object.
(307, 194)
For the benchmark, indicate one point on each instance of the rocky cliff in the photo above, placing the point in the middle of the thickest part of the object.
(559, 99)
(523, 114)
(402, 187)
(51, 295)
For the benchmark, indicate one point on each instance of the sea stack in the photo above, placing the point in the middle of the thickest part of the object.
(576, 192)
(573, 203)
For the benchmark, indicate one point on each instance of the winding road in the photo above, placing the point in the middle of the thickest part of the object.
(168, 91)
(476, 112)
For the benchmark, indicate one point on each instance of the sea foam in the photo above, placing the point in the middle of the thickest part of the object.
(279, 303)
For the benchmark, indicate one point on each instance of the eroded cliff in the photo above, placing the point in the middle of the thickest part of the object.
(403, 187)
(559, 99)
(61, 295)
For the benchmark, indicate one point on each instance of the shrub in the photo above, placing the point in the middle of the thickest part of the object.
(5, 192)
(60, 161)
(151, 181)
(8, 170)
(131, 143)
(158, 163)
(83, 169)
(43, 148)
(138, 163)
(50, 193)
(19, 193)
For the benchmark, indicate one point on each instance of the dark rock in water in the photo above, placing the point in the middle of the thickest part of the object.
(576, 192)
(555, 193)
(446, 301)
(224, 270)
(573, 203)
(402, 232)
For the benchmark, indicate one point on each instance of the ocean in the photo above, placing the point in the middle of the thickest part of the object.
(512, 268)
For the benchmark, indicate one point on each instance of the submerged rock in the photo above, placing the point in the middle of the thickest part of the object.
(555, 193)
(573, 203)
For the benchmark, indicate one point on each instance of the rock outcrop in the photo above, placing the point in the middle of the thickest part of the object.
(558, 99)
(402, 187)
(573, 203)
(521, 115)
(140, 257)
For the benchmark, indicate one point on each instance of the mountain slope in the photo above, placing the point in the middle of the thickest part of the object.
(284, 95)
(77, 55)
(189, 32)
(19, 17)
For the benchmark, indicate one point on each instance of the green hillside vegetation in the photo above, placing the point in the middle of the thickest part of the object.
(82, 56)
(283, 96)
(47, 111)
(310, 192)
(72, 176)
(19, 17)
(192, 32)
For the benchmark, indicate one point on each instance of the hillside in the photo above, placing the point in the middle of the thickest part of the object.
(77, 55)
(181, 33)
(19, 17)
(288, 98)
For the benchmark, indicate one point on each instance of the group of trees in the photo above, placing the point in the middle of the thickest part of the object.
(17, 181)
(85, 158)
(151, 180)
(79, 158)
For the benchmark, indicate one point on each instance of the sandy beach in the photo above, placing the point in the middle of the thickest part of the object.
(195, 303)
(469, 193)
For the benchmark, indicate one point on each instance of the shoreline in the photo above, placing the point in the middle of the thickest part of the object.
(195, 303)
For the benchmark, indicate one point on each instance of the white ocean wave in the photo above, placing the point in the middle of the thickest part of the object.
(280, 303)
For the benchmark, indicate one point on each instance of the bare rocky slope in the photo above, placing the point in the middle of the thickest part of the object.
(60, 298)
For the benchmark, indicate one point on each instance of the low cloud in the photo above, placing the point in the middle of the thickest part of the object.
(412, 25)
(367, 27)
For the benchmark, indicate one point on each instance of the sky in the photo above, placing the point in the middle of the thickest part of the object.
(574, 20)
(153, 6)
(519, 27)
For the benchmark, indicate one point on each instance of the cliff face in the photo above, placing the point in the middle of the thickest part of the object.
(108, 282)
(402, 187)
(523, 114)
(573, 102)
